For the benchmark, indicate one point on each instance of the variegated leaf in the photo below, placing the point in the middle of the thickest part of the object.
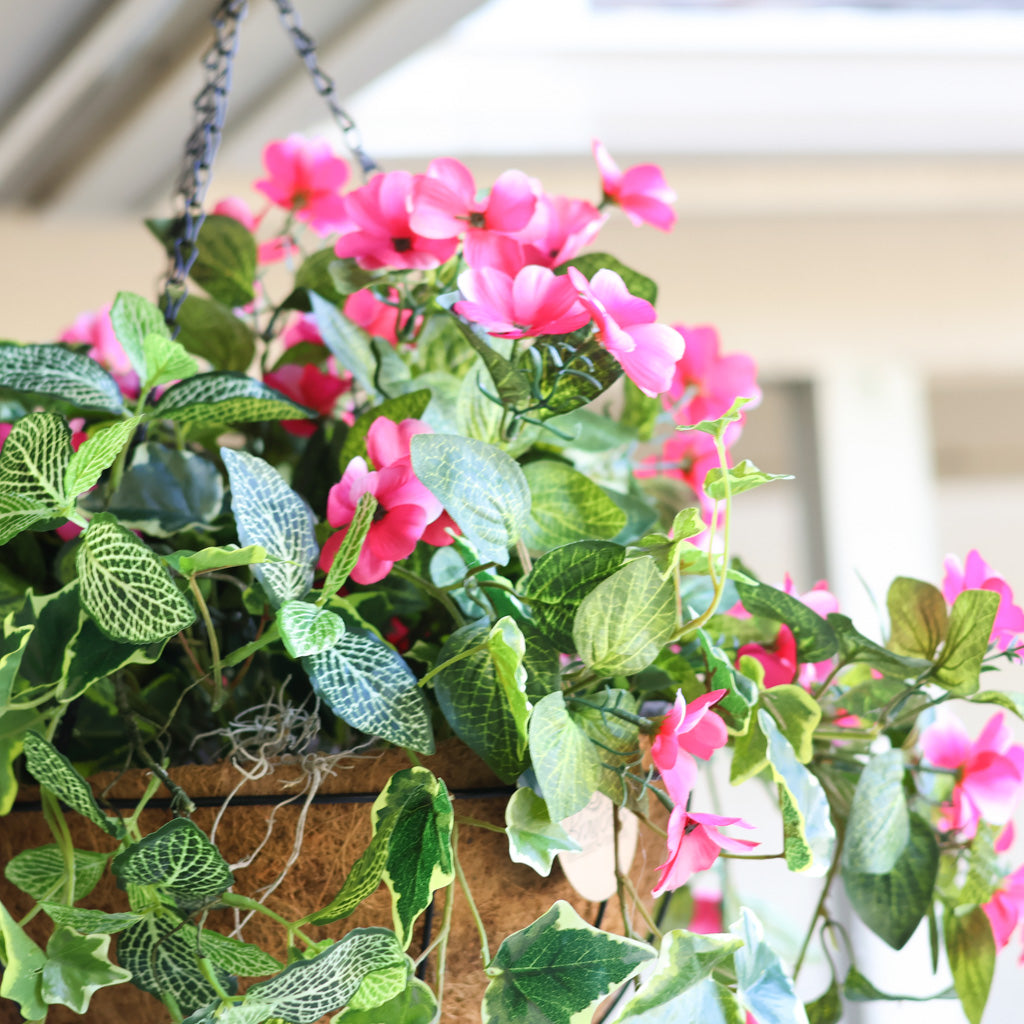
(236, 956)
(60, 372)
(34, 460)
(98, 453)
(40, 871)
(306, 629)
(89, 922)
(132, 318)
(226, 398)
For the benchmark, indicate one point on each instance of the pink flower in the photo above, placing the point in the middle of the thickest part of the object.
(1005, 909)
(641, 191)
(705, 384)
(778, 661)
(535, 301)
(377, 318)
(96, 330)
(989, 771)
(309, 386)
(302, 328)
(707, 911)
(271, 251)
(444, 202)
(305, 177)
(560, 228)
(382, 235)
(694, 842)
(647, 351)
(976, 575)
(694, 729)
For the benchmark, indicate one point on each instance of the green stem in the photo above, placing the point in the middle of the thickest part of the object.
(436, 592)
(461, 656)
(461, 819)
(62, 835)
(216, 687)
(485, 951)
(656, 933)
(620, 876)
(206, 967)
(819, 909)
(234, 899)
(442, 945)
(626, 716)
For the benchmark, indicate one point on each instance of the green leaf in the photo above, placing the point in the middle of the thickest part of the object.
(744, 476)
(235, 956)
(892, 904)
(307, 989)
(126, 588)
(717, 427)
(481, 487)
(707, 1002)
(616, 739)
(796, 712)
(367, 684)
(409, 406)
(97, 454)
(567, 765)
(133, 317)
(88, 922)
(561, 578)
(741, 693)
(214, 559)
(1009, 699)
(762, 983)
(12, 648)
(565, 372)
(23, 962)
(639, 413)
(40, 871)
(306, 629)
(858, 989)
(76, 966)
(419, 860)
(878, 828)
(917, 618)
(34, 461)
(567, 506)
(970, 627)
(533, 838)
(166, 360)
(590, 263)
(180, 861)
(854, 648)
(221, 398)
(556, 970)
(58, 371)
(348, 552)
(162, 955)
(269, 513)
(815, 640)
(624, 622)
(225, 265)
(684, 960)
(50, 768)
(19, 513)
(827, 1008)
(415, 1004)
(510, 381)
(165, 491)
(209, 329)
(349, 344)
(971, 950)
(808, 834)
(315, 275)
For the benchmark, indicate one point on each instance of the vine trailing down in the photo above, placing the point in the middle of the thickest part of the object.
(420, 453)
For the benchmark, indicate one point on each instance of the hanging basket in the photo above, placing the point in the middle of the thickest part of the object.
(336, 831)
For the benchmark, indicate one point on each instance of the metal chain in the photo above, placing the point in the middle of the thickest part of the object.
(210, 108)
(324, 85)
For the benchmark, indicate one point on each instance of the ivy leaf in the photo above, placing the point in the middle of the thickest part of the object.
(556, 970)
(567, 506)
(162, 955)
(13, 641)
(349, 344)
(166, 360)
(971, 950)
(707, 1002)
(23, 969)
(97, 454)
(744, 476)
(815, 640)
(367, 684)
(306, 629)
(827, 1008)
(50, 768)
(917, 617)
(133, 318)
(892, 904)
(684, 960)
(180, 861)
(209, 329)
(269, 513)
(34, 461)
(808, 833)
(533, 838)
(762, 983)
(40, 871)
(643, 621)
(89, 922)
(483, 694)
(76, 966)
(481, 487)
(126, 588)
(567, 765)
(307, 989)
(970, 627)
(58, 371)
(220, 398)
(419, 860)
(415, 1004)
(878, 828)
(799, 714)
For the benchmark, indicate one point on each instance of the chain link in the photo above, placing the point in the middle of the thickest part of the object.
(324, 85)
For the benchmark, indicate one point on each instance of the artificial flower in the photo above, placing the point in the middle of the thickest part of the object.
(694, 729)
(1005, 910)
(306, 177)
(694, 843)
(96, 331)
(975, 574)
(641, 191)
(273, 250)
(379, 319)
(706, 918)
(647, 351)
(309, 386)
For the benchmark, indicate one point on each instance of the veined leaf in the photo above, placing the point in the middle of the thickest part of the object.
(744, 476)
(19, 513)
(971, 950)
(367, 684)
(166, 360)
(591, 262)
(567, 506)
(58, 371)
(556, 970)
(533, 838)
(349, 343)
(76, 967)
(217, 398)
(97, 454)
(481, 487)
(133, 317)
(815, 640)
(741, 693)
(126, 588)
(307, 629)
(970, 627)
(89, 922)
(917, 617)
(40, 871)
(616, 739)
(348, 553)
(34, 460)
(235, 956)
(269, 513)
(415, 1004)
(878, 828)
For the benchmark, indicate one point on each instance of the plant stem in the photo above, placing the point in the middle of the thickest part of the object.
(234, 899)
(442, 944)
(62, 835)
(524, 556)
(626, 716)
(656, 932)
(485, 951)
(436, 592)
(461, 656)
(620, 877)
(461, 819)
(820, 907)
(216, 687)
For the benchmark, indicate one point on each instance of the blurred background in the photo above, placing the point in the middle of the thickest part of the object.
(851, 213)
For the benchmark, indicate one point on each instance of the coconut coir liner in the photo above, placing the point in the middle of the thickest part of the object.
(509, 896)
